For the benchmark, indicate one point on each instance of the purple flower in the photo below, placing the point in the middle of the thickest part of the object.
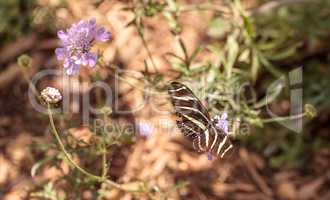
(222, 122)
(145, 129)
(209, 156)
(76, 44)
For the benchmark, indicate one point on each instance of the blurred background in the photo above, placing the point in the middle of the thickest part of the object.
(271, 162)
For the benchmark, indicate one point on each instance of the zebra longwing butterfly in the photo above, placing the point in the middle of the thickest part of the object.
(195, 122)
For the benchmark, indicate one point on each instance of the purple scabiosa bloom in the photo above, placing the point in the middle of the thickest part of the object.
(145, 129)
(76, 43)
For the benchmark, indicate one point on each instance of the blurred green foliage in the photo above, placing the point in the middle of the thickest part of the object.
(258, 46)
(292, 29)
(15, 18)
(282, 32)
(273, 39)
(316, 82)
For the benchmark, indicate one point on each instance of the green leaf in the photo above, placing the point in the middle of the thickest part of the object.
(180, 68)
(244, 56)
(195, 53)
(233, 48)
(184, 49)
(255, 64)
(172, 22)
(48, 192)
(38, 164)
(174, 55)
(172, 6)
(272, 92)
(219, 27)
(285, 53)
(248, 26)
(275, 72)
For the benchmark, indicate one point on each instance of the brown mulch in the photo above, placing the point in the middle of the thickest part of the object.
(164, 159)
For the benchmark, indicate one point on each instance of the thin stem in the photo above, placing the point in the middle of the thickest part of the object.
(144, 42)
(62, 147)
(98, 96)
(104, 161)
(27, 79)
(279, 119)
(73, 163)
(131, 84)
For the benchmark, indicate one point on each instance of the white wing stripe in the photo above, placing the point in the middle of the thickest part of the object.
(230, 146)
(184, 98)
(215, 138)
(176, 90)
(221, 144)
(193, 109)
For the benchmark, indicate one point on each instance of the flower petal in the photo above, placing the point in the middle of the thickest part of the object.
(92, 21)
(73, 68)
(60, 53)
(102, 35)
(67, 63)
(209, 156)
(84, 59)
(222, 122)
(92, 59)
(145, 129)
(224, 115)
(62, 35)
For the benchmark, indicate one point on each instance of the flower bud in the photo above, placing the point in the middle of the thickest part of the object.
(51, 95)
(310, 110)
(24, 61)
(106, 110)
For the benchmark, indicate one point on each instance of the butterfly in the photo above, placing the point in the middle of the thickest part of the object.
(195, 122)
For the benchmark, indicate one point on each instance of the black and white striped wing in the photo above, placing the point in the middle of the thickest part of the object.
(194, 121)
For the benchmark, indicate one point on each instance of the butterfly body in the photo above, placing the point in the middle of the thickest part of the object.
(195, 122)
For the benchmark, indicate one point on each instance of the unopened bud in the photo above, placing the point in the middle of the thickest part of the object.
(106, 110)
(24, 61)
(310, 110)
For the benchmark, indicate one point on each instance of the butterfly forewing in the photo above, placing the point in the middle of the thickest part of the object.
(194, 121)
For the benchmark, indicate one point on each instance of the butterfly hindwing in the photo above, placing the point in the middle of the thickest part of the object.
(194, 121)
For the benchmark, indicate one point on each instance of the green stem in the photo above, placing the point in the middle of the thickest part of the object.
(27, 79)
(129, 83)
(279, 119)
(68, 156)
(104, 161)
(144, 42)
